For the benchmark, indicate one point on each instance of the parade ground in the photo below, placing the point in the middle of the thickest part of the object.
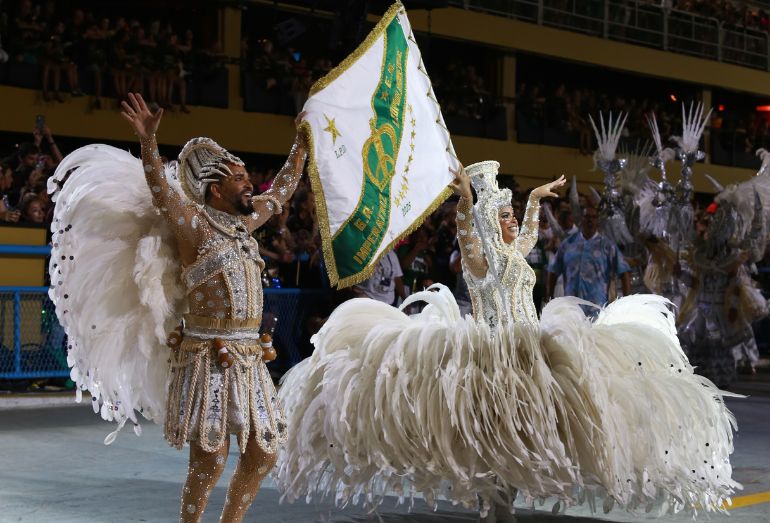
(55, 468)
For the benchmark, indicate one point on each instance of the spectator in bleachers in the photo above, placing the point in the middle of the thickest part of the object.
(460, 290)
(44, 140)
(167, 65)
(147, 70)
(26, 162)
(33, 210)
(24, 175)
(97, 39)
(123, 63)
(54, 61)
(210, 61)
(7, 212)
(178, 59)
(385, 283)
(416, 257)
(276, 247)
(25, 39)
(446, 233)
(304, 213)
(34, 185)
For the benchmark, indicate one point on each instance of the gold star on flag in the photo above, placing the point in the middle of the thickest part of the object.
(332, 128)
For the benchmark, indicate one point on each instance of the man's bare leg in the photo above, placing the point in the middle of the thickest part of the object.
(204, 470)
(253, 465)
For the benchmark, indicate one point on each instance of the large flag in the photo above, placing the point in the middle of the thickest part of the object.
(379, 150)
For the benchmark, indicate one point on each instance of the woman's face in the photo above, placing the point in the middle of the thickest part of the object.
(35, 179)
(509, 225)
(35, 212)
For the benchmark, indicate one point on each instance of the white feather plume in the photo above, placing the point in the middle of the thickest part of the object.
(609, 137)
(652, 123)
(693, 124)
(438, 405)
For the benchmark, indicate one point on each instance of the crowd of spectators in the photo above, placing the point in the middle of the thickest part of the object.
(561, 115)
(282, 69)
(745, 131)
(81, 46)
(461, 91)
(81, 51)
(290, 70)
(730, 12)
(24, 173)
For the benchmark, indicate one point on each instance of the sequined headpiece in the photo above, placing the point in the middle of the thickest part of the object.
(490, 198)
(202, 161)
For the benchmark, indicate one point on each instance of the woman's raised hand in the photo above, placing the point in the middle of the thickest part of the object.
(546, 190)
(462, 182)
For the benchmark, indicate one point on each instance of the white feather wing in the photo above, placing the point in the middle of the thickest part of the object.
(114, 282)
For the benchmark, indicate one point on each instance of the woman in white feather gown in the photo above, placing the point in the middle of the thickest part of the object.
(501, 403)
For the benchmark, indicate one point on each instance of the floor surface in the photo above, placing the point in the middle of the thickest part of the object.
(54, 468)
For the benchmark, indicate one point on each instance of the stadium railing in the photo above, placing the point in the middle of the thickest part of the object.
(640, 23)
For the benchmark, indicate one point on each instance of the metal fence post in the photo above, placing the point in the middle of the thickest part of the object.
(606, 21)
(539, 12)
(17, 331)
(720, 39)
(692, 28)
(767, 51)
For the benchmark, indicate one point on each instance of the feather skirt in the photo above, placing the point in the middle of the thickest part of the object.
(438, 405)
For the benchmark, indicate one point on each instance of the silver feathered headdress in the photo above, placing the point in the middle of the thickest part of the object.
(490, 198)
(613, 222)
(202, 161)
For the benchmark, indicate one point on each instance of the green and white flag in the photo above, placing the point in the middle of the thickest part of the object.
(379, 150)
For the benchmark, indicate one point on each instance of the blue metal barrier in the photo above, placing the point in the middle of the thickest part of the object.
(33, 344)
(26, 250)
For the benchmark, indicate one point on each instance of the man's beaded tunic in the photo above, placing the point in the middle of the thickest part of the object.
(222, 269)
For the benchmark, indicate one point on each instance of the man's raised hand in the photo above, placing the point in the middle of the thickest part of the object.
(144, 122)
